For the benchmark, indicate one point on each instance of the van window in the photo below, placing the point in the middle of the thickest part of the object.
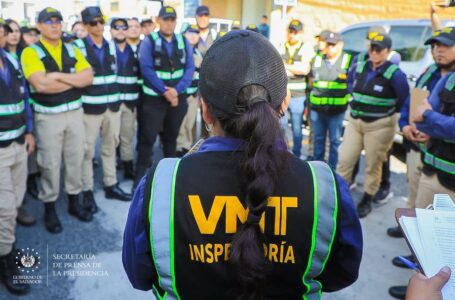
(406, 39)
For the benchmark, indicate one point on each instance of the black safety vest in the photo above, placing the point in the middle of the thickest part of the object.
(104, 91)
(439, 156)
(297, 84)
(127, 79)
(193, 88)
(12, 112)
(168, 69)
(330, 88)
(59, 102)
(195, 206)
(376, 98)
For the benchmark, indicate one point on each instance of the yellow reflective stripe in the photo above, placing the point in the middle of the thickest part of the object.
(149, 91)
(11, 134)
(331, 85)
(12, 109)
(170, 75)
(329, 100)
(297, 85)
(100, 99)
(126, 79)
(73, 105)
(100, 80)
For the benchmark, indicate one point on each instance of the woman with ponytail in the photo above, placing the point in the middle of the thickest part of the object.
(242, 218)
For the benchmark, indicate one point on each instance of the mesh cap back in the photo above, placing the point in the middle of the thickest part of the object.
(238, 59)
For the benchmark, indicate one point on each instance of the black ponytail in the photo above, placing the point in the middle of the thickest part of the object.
(265, 156)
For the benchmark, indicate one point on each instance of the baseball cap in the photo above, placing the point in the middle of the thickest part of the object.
(90, 13)
(193, 28)
(5, 26)
(252, 27)
(202, 10)
(333, 37)
(27, 29)
(264, 68)
(323, 35)
(145, 21)
(296, 25)
(374, 31)
(48, 13)
(382, 40)
(167, 12)
(123, 20)
(236, 25)
(445, 36)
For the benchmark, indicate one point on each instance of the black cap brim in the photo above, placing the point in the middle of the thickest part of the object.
(51, 15)
(379, 44)
(440, 39)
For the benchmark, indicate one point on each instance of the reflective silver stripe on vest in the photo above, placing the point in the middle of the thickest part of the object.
(170, 75)
(11, 134)
(127, 79)
(191, 90)
(128, 96)
(161, 217)
(73, 105)
(149, 91)
(12, 109)
(100, 80)
(439, 163)
(324, 226)
(100, 99)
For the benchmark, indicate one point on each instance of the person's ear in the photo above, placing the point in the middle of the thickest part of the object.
(208, 118)
(285, 103)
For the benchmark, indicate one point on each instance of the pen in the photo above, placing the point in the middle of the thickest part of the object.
(409, 263)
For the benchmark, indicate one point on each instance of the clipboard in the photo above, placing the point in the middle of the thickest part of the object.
(418, 97)
(407, 212)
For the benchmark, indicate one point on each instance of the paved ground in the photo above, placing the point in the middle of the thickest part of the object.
(101, 274)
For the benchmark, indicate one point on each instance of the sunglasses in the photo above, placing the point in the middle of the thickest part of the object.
(96, 22)
(50, 22)
(119, 27)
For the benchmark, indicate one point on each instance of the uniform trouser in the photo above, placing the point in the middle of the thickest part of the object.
(414, 171)
(296, 108)
(13, 176)
(109, 124)
(428, 186)
(376, 138)
(156, 114)
(185, 139)
(59, 135)
(324, 124)
(127, 129)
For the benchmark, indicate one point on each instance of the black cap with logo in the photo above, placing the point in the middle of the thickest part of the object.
(445, 36)
(252, 27)
(90, 13)
(202, 10)
(333, 38)
(296, 25)
(48, 13)
(167, 12)
(222, 79)
(123, 20)
(381, 40)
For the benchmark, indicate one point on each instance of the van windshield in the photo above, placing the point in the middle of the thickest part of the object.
(406, 39)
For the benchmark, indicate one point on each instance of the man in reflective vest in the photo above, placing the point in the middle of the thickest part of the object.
(185, 138)
(16, 126)
(101, 103)
(207, 36)
(57, 72)
(167, 67)
(436, 118)
(329, 97)
(297, 59)
(127, 77)
(379, 91)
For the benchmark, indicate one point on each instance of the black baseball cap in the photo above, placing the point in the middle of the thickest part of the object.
(28, 28)
(323, 35)
(202, 10)
(382, 40)
(333, 37)
(5, 26)
(146, 21)
(236, 25)
(123, 20)
(296, 25)
(48, 13)
(374, 31)
(222, 79)
(445, 36)
(90, 13)
(167, 12)
(192, 28)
